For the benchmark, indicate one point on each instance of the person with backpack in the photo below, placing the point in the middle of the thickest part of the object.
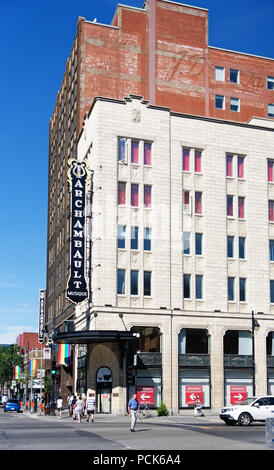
(91, 407)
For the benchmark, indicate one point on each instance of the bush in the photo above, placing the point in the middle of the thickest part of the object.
(162, 410)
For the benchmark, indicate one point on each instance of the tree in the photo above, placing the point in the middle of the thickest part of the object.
(9, 357)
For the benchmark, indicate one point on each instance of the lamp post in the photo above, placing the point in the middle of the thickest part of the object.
(255, 324)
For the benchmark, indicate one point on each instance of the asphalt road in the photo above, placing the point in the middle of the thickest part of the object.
(32, 432)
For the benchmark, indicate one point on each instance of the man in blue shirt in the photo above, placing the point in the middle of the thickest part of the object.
(133, 410)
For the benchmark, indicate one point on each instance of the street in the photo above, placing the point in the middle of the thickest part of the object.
(27, 431)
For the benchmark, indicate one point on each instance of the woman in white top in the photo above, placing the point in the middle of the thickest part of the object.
(79, 408)
(59, 407)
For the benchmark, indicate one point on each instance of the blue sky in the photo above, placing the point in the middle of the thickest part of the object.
(36, 38)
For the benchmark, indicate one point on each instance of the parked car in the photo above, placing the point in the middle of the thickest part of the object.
(249, 410)
(12, 405)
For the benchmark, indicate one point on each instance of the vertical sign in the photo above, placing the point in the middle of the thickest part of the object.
(78, 176)
(42, 298)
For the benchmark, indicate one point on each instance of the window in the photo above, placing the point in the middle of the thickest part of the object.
(230, 288)
(220, 73)
(121, 277)
(241, 167)
(122, 150)
(242, 285)
(270, 166)
(186, 243)
(187, 286)
(147, 153)
(121, 193)
(242, 247)
(134, 275)
(198, 243)
(135, 195)
(229, 206)
(271, 291)
(147, 196)
(198, 202)
(134, 151)
(229, 165)
(234, 76)
(121, 236)
(219, 102)
(186, 202)
(241, 207)
(198, 161)
(147, 239)
(134, 238)
(270, 110)
(270, 83)
(186, 160)
(199, 286)
(234, 104)
(230, 247)
(271, 250)
(271, 211)
(147, 283)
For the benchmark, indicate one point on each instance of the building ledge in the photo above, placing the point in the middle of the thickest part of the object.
(86, 337)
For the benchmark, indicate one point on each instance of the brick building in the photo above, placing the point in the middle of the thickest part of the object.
(159, 52)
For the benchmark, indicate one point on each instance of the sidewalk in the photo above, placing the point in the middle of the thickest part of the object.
(186, 417)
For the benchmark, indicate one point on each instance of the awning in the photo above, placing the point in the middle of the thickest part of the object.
(95, 336)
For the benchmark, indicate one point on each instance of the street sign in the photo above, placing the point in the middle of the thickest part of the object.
(193, 391)
(46, 353)
(237, 394)
(145, 395)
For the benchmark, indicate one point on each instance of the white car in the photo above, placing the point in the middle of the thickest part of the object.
(251, 409)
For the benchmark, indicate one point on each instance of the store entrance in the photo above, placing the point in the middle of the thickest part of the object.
(104, 390)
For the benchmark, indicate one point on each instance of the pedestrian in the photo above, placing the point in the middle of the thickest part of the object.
(133, 410)
(68, 404)
(79, 408)
(198, 407)
(91, 407)
(59, 407)
(73, 403)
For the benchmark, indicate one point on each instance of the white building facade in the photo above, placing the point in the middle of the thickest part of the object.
(180, 235)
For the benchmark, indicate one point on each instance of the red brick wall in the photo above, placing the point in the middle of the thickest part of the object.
(114, 62)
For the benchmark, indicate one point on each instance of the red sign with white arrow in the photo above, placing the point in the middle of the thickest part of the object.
(145, 395)
(193, 391)
(237, 394)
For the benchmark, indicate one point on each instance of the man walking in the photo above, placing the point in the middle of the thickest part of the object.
(91, 406)
(133, 410)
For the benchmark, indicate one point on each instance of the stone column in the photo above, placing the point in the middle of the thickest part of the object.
(217, 366)
(260, 361)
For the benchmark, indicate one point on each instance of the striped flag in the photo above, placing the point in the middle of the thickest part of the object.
(33, 367)
(17, 372)
(64, 354)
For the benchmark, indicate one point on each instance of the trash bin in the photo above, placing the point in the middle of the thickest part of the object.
(269, 432)
(47, 410)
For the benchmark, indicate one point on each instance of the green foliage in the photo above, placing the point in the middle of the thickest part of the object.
(47, 384)
(162, 410)
(9, 357)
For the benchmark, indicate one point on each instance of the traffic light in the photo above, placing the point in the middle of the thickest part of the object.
(53, 368)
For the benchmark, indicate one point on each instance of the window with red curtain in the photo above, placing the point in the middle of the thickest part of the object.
(147, 153)
(135, 195)
(134, 151)
(198, 202)
(147, 196)
(240, 167)
(241, 207)
(229, 165)
(229, 204)
(271, 211)
(270, 166)
(186, 166)
(198, 161)
(121, 193)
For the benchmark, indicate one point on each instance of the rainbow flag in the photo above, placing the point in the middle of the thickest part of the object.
(64, 354)
(33, 367)
(17, 372)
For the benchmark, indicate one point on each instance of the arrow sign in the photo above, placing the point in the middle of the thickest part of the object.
(237, 393)
(145, 395)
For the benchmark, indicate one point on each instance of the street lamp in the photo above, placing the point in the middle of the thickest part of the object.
(255, 324)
